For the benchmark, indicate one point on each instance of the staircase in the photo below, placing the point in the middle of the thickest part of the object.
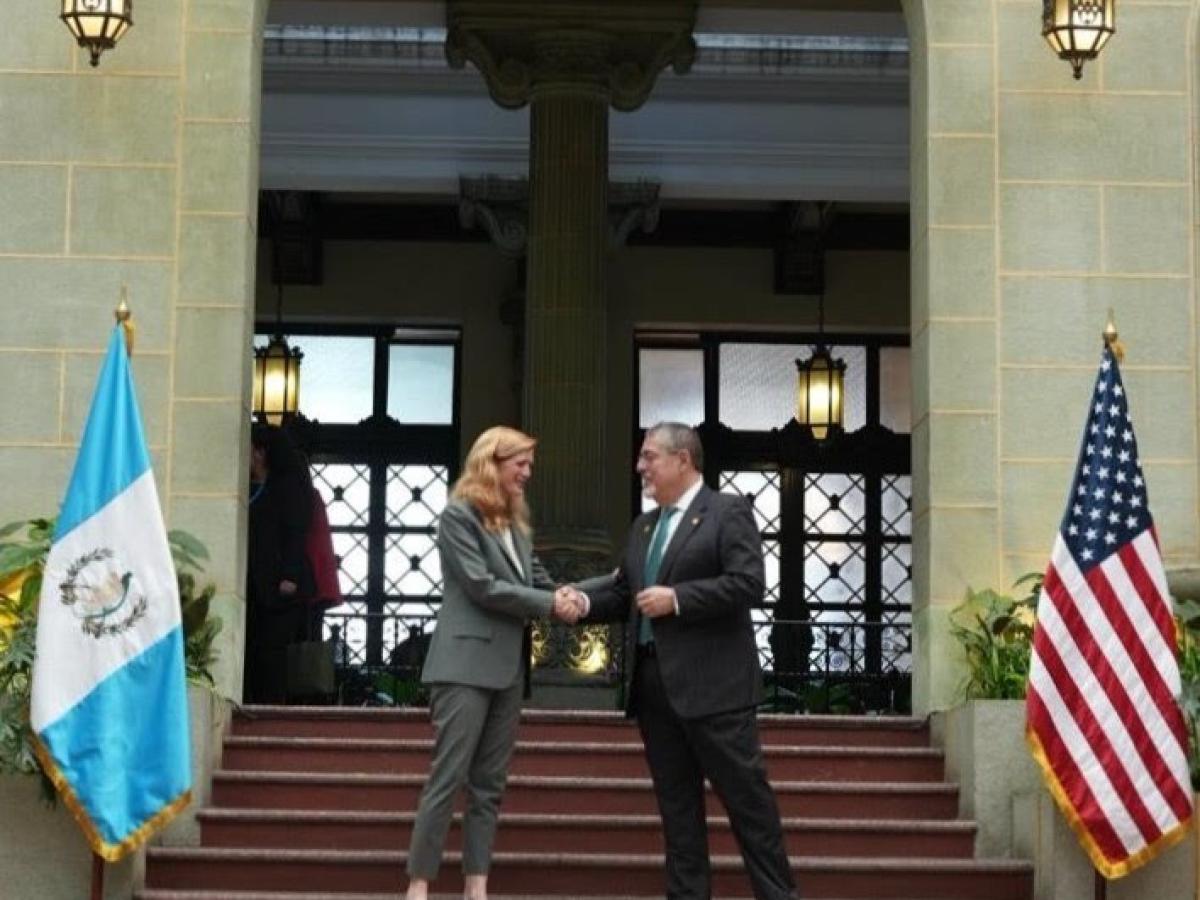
(317, 804)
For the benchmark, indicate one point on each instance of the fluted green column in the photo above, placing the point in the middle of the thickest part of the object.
(570, 62)
(565, 311)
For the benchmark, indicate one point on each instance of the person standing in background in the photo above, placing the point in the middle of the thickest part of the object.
(279, 578)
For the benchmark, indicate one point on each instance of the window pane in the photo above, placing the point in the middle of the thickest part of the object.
(762, 490)
(416, 495)
(412, 566)
(896, 505)
(670, 387)
(421, 384)
(834, 575)
(346, 490)
(758, 385)
(336, 379)
(835, 503)
(896, 575)
(895, 389)
(350, 547)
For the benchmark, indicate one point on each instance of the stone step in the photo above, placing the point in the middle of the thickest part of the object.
(523, 833)
(608, 759)
(554, 794)
(154, 894)
(571, 874)
(569, 725)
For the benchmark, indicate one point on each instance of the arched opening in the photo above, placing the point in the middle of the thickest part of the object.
(395, 210)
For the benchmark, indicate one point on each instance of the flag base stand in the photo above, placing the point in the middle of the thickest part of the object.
(97, 877)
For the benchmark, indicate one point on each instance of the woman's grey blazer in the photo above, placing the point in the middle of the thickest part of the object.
(486, 603)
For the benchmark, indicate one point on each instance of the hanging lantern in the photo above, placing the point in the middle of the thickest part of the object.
(97, 24)
(1077, 30)
(276, 381)
(820, 387)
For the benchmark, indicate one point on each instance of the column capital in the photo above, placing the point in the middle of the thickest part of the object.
(500, 206)
(612, 51)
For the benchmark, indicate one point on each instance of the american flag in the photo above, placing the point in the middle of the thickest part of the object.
(1102, 716)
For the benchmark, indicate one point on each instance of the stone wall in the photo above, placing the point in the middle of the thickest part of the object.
(143, 172)
(1039, 202)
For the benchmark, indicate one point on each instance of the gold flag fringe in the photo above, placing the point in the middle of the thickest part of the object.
(1110, 869)
(111, 852)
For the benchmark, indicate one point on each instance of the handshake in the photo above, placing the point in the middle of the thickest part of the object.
(569, 604)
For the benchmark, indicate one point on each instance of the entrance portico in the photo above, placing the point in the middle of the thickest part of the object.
(1037, 202)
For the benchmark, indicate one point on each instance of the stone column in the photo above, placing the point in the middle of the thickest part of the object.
(569, 65)
(564, 390)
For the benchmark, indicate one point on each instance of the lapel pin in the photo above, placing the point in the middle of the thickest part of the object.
(696, 520)
(645, 529)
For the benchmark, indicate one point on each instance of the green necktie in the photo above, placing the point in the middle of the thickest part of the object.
(658, 546)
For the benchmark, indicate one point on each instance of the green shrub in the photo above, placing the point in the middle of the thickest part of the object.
(995, 632)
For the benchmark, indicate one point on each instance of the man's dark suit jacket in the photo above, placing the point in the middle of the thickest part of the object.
(706, 654)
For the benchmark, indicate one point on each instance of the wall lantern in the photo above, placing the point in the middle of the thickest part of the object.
(1077, 30)
(276, 375)
(97, 24)
(820, 386)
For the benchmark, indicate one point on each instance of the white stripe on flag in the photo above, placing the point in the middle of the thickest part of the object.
(1147, 551)
(1085, 760)
(131, 526)
(1135, 605)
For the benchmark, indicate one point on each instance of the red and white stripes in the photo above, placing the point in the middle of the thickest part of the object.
(1103, 718)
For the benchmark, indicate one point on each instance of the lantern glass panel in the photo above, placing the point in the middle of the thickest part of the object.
(275, 384)
(823, 394)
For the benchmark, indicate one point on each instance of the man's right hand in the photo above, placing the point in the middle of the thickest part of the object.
(569, 604)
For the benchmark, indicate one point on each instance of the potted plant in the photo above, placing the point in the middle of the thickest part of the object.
(995, 632)
(1187, 622)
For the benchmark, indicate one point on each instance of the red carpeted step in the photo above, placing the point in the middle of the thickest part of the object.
(574, 874)
(318, 803)
(556, 794)
(605, 760)
(335, 830)
(569, 725)
(392, 895)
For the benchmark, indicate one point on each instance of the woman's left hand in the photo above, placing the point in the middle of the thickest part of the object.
(287, 588)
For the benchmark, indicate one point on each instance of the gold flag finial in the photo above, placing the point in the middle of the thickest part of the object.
(124, 317)
(1112, 338)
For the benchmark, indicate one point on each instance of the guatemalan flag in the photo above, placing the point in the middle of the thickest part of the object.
(109, 707)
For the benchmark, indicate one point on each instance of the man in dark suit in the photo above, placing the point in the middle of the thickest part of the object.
(688, 578)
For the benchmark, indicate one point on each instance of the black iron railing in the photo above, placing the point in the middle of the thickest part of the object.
(836, 667)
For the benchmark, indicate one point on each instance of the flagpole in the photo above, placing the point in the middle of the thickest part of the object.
(124, 318)
(97, 877)
(1112, 340)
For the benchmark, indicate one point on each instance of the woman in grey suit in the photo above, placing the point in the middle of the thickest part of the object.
(477, 659)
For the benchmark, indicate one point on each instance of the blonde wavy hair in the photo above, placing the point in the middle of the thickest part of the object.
(479, 483)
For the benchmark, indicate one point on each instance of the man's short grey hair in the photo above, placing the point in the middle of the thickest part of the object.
(675, 436)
